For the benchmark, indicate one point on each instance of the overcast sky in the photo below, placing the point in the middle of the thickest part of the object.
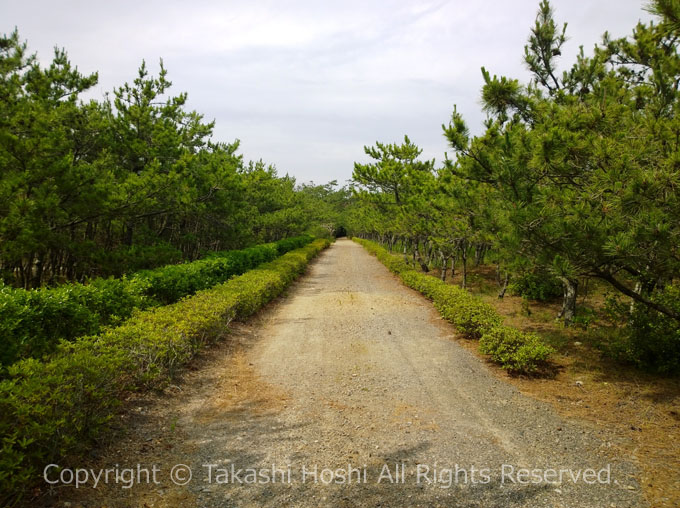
(306, 84)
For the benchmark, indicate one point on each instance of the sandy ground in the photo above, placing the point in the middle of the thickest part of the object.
(353, 371)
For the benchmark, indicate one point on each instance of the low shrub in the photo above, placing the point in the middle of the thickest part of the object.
(536, 286)
(470, 316)
(168, 284)
(430, 286)
(288, 244)
(394, 263)
(51, 409)
(514, 350)
(320, 232)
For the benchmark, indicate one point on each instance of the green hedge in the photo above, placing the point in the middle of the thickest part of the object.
(514, 350)
(470, 315)
(52, 409)
(33, 322)
(170, 283)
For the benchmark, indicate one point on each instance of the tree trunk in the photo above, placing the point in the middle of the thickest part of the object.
(585, 291)
(504, 287)
(391, 242)
(416, 257)
(638, 290)
(444, 266)
(26, 268)
(70, 267)
(568, 311)
(38, 272)
(430, 250)
(405, 250)
(480, 250)
(644, 289)
(463, 256)
(129, 232)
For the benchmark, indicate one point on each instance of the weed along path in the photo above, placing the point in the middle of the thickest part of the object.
(350, 391)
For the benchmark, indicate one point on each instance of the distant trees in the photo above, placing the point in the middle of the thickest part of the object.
(128, 182)
(394, 188)
(326, 206)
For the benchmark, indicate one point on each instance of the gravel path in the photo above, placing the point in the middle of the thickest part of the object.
(354, 370)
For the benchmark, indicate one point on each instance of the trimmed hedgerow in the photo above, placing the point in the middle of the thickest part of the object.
(471, 316)
(50, 409)
(33, 322)
(170, 283)
(514, 350)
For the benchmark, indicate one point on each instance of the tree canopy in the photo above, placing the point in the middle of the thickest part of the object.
(131, 181)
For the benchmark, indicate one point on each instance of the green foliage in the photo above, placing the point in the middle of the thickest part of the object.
(47, 176)
(326, 207)
(469, 315)
(288, 244)
(170, 283)
(32, 322)
(536, 286)
(130, 259)
(651, 340)
(585, 317)
(583, 165)
(396, 171)
(545, 46)
(392, 192)
(514, 350)
(130, 182)
(50, 409)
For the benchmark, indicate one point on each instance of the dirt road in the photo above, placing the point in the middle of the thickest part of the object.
(352, 370)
